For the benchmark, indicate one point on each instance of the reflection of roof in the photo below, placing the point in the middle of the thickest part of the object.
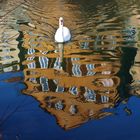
(70, 110)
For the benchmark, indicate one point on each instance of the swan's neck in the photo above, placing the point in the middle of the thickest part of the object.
(61, 24)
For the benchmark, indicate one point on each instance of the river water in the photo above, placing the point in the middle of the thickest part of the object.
(87, 88)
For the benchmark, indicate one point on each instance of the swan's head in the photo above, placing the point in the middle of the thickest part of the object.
(61, 21)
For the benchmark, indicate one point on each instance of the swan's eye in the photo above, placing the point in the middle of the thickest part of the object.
(61, 21)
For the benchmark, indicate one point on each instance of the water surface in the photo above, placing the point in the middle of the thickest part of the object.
(76, 90)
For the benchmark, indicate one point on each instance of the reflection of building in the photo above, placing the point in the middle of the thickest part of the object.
(75, 86)
(9, 50)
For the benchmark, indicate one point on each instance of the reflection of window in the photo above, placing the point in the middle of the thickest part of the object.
(90, 68)
(73, 90)
(60, 89)
(6, 57)
(31, 51)
(33, 80)
(31, 58)
(59, 105)
(90, 95)
(106, 72)
(31, 65)
(107, 82)
(57, 64)
(8, 69)
(44, 84)
(84, 45)
(43, 62)
(11, 68)
(104, 99)
(76, 70)
(73, 109)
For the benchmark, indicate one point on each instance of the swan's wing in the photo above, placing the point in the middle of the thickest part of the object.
(58, 36)
(66, 34)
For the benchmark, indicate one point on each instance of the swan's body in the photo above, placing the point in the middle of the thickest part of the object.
(63, 33)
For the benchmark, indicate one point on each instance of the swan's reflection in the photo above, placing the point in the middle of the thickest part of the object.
(59, 59)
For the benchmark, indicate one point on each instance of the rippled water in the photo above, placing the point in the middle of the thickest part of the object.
(93, 76)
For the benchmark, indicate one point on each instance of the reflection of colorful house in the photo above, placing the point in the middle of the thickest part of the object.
(74, 88)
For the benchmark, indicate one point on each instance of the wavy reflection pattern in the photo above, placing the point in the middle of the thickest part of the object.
(77, 81)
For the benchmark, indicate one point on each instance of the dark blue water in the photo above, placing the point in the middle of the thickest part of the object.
(21, 118)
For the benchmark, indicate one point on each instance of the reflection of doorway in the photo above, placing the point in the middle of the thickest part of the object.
(127, 60)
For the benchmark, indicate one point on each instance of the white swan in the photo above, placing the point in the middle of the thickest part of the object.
(63, 33)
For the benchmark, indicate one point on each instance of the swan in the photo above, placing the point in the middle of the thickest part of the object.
(62, 33)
